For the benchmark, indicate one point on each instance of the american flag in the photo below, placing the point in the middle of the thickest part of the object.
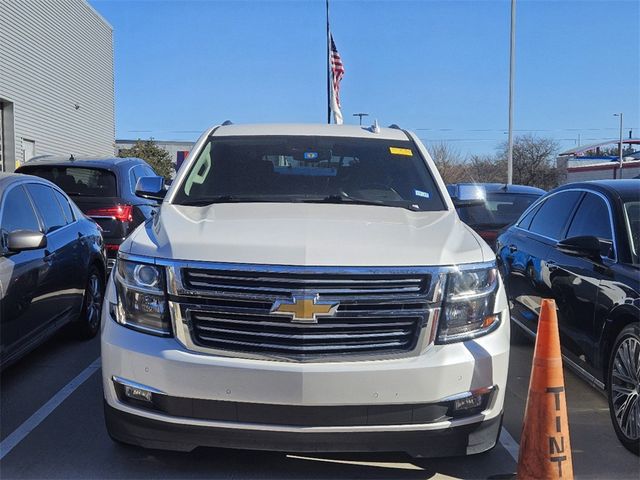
(337, 72)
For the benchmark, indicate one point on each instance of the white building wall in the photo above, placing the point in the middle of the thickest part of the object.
(56, 68)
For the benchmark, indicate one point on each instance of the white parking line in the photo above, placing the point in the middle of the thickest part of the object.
(509, 444)
(43, 412)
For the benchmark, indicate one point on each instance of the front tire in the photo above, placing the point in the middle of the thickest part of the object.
(89, 320)
(623, 387)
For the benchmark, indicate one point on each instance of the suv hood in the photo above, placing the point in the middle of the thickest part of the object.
(307, 234)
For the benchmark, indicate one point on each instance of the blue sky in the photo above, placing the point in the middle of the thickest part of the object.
(437, 67)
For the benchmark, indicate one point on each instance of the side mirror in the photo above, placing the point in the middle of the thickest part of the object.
(20, 240)
(151, 187)
(585, 246)
(467, 195)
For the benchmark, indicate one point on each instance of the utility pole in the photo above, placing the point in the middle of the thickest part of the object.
(328, 67)
(361, 115)
(620, 145)
(512, 53)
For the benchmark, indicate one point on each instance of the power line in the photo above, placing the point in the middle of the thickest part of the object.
(519, 130)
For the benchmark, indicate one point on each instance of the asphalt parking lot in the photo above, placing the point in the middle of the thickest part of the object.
(71, 442)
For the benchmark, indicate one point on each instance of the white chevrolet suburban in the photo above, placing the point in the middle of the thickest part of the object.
(305, 288)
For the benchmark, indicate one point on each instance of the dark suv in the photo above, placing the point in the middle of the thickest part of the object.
(103, 189)
(501, 205)
(580, 245)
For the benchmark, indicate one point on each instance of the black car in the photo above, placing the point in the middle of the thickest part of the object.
(52, 265)
(103, 189)
(501, 206)
(580, 245)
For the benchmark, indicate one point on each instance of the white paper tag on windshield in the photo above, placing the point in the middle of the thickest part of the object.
(420, 193)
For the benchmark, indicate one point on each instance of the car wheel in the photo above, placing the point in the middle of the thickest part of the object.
(89, 321)
(623, 386)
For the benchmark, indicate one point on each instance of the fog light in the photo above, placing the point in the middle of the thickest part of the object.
(138, 393)
(467, 403)
(470, 403)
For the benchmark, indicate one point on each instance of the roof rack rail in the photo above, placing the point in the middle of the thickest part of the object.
(395, 126)
(227, 122)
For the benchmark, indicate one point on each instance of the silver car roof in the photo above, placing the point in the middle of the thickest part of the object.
(310, 129)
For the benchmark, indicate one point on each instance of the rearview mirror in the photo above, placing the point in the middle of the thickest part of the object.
(151, 187)
(467, 195)
(20, 240)
(584, 246)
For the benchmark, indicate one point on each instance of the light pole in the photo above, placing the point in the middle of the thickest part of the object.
(620, 146)
(512, 67)
(360, 115)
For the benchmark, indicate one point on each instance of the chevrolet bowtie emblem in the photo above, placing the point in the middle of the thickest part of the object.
(304, 309)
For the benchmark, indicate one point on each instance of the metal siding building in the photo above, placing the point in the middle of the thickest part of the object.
(56, 80)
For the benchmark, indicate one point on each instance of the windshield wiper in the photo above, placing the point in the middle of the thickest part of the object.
(204, 201)
(361, 201)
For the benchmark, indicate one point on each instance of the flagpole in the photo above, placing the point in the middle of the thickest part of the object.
(512, 52)
(328, 68)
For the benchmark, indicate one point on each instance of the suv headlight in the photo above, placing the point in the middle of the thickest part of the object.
(468, 310)
(142, 304)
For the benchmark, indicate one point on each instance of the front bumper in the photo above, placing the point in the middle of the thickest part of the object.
(438, 373)
(450, 441)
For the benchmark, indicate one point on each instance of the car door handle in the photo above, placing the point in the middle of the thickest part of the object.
(551, 265)
(513, 248)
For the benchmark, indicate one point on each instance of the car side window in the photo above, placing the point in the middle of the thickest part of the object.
(17, 212)
(526, 220)
(552, 216)
(49, 208)
(66, 208)
(134, 173)
(592, 219)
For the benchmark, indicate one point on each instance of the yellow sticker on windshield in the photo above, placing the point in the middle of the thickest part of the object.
(401, 151)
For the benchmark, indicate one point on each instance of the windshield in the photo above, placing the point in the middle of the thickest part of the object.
(77, 181)
(632, 218)
(499, 209)
(310, 169)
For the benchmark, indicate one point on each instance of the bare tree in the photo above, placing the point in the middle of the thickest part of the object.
(449, 161)
(533, 161)
(487, 169)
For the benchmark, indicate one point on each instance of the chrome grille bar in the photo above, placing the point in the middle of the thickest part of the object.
(226, 309)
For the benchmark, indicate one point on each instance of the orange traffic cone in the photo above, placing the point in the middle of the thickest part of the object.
(545, 449)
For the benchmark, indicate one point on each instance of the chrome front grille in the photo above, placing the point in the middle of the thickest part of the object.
(270, 283)
(229, 310)
(336, 335)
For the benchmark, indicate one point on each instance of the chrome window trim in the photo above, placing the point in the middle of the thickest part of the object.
(132, 187)
(64, 195)
(583, 190)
